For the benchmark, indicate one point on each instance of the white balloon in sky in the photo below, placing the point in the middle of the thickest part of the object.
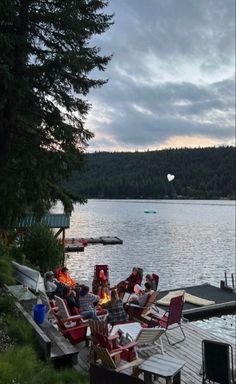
(170, 177)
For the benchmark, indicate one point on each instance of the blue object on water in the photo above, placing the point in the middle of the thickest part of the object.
(39, 313)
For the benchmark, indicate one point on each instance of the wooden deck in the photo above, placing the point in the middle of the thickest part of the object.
(190, 351)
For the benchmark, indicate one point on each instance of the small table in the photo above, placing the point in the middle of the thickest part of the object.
(131, 328)
(163, 366)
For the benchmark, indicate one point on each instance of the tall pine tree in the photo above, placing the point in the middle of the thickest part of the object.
(46, 57)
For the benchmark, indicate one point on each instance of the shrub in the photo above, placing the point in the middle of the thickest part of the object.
(20, 365)
(42, 249)
(19, 330)
(6, 304)
(6, 271)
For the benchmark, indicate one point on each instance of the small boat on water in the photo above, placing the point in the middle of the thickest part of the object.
(28, 277)
(150, 211)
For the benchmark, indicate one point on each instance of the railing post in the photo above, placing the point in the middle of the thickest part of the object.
(226, 283)
(232, 278)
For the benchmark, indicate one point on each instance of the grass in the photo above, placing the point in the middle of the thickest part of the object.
(20, 365)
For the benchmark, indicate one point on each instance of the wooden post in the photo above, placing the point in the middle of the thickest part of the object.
(226, 283)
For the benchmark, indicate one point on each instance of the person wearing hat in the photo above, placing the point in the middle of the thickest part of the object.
(51, 285)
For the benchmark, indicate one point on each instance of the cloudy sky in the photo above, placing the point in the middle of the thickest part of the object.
(171, 78)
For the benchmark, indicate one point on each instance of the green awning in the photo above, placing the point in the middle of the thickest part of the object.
(57, 220)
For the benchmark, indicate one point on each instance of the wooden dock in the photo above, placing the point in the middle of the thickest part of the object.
(78, 245)
(225, 301)
(190, 351)
(60, 350)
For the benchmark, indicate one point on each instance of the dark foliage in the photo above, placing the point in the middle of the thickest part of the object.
(201, 173)
(45, 59)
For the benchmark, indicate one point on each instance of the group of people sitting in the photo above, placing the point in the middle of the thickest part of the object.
(77, 297)
(80, 301)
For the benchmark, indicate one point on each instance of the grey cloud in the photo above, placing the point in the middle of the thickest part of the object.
(171, 35)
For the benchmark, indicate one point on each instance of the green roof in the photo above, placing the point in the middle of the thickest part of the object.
(57, 220)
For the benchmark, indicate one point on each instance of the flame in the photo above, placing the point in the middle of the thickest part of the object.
(105, 298)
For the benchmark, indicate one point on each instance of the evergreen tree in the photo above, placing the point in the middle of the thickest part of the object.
(46, 56)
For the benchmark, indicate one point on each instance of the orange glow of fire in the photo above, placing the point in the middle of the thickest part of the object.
(105, 298)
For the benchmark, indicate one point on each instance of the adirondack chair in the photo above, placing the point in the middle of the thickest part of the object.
(113, 361)
(99, 287)
(63, 314)
(51, 308)
(101, 375)
(156, 279)
(100, 335)
(136, 311)
(149, 341)
(171, 318)
(73, 327)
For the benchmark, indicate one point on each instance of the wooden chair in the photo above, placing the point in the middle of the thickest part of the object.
(50, 305)
(171, 318)
(113, 361)
(156, 280)
(149, 341)
(102, 375)
(73, 327)
(136, 311)
(217, 359)
(63, 314)
(100, 336)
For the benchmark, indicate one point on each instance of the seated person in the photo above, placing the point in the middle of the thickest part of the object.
(52, 285)
(140, 296)
(87, 301)
(130, 282)
(149, 279)
(116, 312)
(100, 284)
(65, 278)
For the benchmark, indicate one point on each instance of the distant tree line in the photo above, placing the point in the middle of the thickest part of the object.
(200, 173)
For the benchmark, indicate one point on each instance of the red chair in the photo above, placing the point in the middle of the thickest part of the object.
(127, 351)
(170, 318)
(156, 279)
(99, 287)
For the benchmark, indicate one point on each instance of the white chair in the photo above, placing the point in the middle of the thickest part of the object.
(149, 341)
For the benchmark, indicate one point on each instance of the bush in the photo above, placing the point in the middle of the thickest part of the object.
(20, 365)
(42, 249)
(19, 330)
(6, 304)
(6, 271)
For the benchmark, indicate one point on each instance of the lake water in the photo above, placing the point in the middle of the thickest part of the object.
(186, 242)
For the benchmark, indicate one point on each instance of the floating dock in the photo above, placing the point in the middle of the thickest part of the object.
(224, 298)
(77, 245)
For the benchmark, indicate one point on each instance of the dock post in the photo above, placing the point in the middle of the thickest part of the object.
(226, 283)
(232, 278)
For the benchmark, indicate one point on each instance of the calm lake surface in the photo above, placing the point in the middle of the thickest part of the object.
(187, 242)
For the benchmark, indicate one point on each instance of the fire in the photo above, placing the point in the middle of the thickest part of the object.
(105, 298)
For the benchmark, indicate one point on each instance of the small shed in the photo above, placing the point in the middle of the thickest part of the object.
(60, 221)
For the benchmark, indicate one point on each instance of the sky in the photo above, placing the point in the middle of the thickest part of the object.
(171, 78)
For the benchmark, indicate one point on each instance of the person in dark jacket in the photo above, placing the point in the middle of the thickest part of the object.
(132, 280)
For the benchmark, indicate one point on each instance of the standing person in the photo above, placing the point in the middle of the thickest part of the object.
(116, 312)
(65, 278)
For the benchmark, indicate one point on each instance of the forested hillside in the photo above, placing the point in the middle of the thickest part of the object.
(201, 173)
